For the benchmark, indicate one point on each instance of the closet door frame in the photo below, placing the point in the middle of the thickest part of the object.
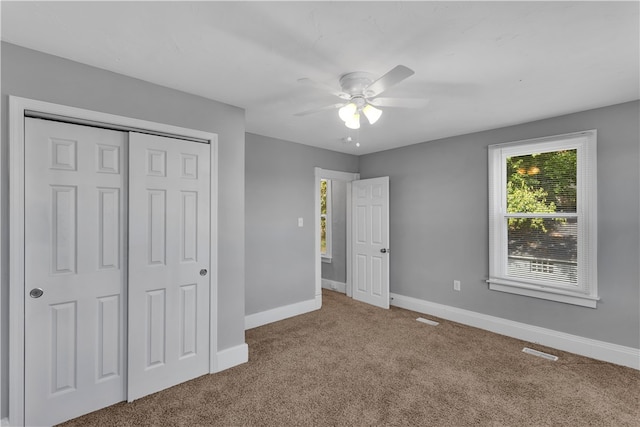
(19, 108)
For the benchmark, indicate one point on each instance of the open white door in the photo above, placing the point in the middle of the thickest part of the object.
(370, 240)
(169, 240)
(75, 270)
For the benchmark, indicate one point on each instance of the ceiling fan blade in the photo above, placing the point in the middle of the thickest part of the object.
(399, 102)
(324, 88)
(317, 110)
(396, 75)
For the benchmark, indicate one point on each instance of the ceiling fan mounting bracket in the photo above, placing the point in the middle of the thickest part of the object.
(355, 83)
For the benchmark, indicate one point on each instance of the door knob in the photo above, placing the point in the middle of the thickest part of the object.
(384, 251)
(36, 293)
(203, 272)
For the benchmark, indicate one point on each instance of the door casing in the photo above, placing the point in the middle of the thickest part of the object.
(19, 108)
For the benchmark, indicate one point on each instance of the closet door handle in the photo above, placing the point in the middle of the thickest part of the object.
(36, 293)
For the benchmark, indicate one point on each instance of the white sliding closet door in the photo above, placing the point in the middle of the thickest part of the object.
(75, 270)
(169, 241)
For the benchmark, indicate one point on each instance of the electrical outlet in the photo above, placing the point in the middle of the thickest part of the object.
(456, 285)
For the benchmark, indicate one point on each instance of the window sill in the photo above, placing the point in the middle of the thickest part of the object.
(543, 293)
(326, 259)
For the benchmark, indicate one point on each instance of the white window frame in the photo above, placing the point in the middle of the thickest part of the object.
(327, 256)
(586, 292)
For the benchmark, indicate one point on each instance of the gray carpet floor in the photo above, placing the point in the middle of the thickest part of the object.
(351, 364)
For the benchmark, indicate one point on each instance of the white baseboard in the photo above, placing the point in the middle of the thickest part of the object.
(265, 317)
(231, 357)
(334, 286)
(600, 350)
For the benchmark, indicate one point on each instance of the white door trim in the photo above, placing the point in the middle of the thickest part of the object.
(338, 176)
(17, 109)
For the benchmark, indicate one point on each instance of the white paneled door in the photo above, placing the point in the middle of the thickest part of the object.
(75, 270)
(117, 242)
(169, 262)
(370, 240)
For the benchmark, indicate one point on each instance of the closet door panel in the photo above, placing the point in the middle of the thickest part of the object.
(74, 275)
(169, 240)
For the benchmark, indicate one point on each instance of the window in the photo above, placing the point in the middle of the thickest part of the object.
(325, 219)
(542, 218)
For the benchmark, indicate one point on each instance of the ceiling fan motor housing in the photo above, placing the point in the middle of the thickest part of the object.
(355, 83)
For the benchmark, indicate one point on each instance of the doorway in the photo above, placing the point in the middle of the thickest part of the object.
(333, 234)
(343, 178)
(367, 224)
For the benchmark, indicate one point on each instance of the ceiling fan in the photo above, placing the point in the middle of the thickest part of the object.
(360, 95)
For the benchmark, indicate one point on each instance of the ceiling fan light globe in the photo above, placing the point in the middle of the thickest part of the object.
(354, 122)
(371, 113)
(346, 113)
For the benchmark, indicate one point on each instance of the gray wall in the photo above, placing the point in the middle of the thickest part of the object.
(280, 188)
(439, 224)
(31, 74)
(336, 270)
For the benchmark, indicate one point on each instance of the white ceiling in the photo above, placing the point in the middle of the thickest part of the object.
(482, 65)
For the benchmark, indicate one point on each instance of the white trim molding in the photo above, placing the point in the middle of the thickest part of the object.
(231, 357)
(599, 350)
(280, 313)
(334, 286)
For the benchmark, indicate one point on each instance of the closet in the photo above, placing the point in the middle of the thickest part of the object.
(117, 229)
